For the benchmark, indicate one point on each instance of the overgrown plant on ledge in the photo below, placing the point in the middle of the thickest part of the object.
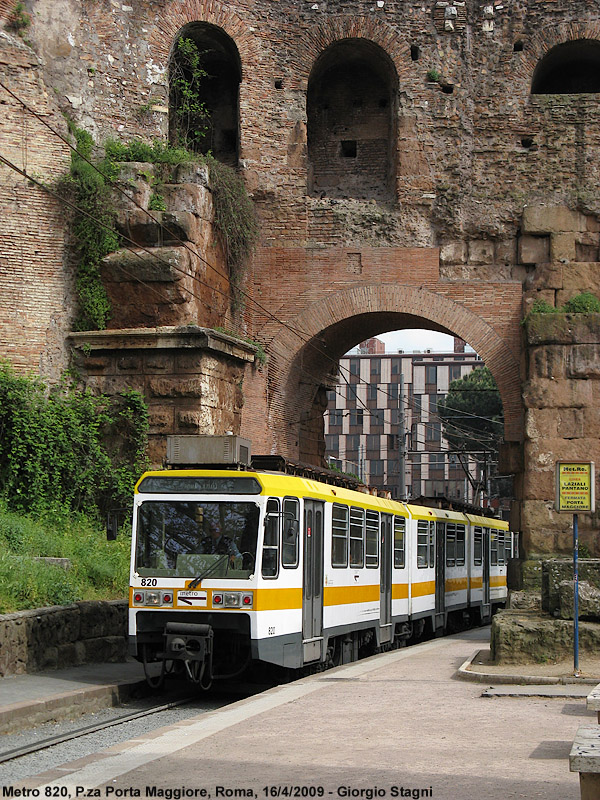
(584, 303)
(94, 233)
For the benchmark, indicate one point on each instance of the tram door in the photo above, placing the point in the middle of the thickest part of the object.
(312, 593)
(385, 595)
(485, 600)
(440, 571)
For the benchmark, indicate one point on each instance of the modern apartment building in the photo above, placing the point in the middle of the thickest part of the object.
(384, 398)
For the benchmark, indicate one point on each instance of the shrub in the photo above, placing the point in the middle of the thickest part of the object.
(65, 448)
(584, 303)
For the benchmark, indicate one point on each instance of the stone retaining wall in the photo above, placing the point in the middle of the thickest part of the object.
(63, 636)
(520, 637)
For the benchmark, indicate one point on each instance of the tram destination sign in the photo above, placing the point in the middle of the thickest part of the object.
(575, 484)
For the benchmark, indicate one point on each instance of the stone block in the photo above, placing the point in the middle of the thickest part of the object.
(548, 393)
(551, 219)
(518, 637)
(546, 276)
(571, 423)
(534, 249)
(189, 198)
(453, 253)
(562, 328)
(193, 172)
(176, 387)
(583, 361)
(129, 364)
(160, 265)
(160, 420)
(589, 600)
(506, 252)
(562, 247)
(481, 251)
(579, 277)
(548, 361)
(541, 423)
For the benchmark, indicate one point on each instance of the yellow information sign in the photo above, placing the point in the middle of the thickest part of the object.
(575, 486)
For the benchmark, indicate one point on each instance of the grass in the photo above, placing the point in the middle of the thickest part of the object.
(99, 569)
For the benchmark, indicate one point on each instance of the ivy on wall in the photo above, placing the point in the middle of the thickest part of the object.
(64, 447)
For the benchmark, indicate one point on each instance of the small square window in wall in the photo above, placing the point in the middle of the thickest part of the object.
(348, 148)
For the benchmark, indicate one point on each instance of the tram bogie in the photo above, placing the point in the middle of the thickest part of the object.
(233, 567)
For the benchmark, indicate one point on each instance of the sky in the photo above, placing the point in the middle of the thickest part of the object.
(409, 340)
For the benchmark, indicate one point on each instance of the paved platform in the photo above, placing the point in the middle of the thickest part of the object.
(38, 697)
(396, 725)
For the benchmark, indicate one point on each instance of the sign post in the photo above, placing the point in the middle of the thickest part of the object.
(575, 493)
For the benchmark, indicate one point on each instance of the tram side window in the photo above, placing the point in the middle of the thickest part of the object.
(450, 544)
(501, 558)
(493, 549)
(357, 535)
(372, 539)
(477, 547)
(291, 527)
(432, 544)
(460, 545)
(399, 542)
(270, 553)
(422, 544)
(339, 536)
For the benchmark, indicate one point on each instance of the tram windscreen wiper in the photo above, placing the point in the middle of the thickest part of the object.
(209, 570)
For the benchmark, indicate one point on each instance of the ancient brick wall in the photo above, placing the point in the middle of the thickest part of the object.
(35, 312)
(423, 210)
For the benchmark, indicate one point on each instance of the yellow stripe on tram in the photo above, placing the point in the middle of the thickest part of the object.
(400, 591)
(277, 599)
(423, 589)
(455, 584)
(342, 595)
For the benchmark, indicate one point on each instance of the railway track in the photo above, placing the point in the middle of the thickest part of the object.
(84, 730)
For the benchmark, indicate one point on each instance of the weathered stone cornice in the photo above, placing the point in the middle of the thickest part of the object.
(164, 338)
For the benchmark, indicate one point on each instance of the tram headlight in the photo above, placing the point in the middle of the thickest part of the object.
(153, 598)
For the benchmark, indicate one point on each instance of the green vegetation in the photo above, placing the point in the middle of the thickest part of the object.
(433, 75)
(66, 456)
(584, 303)
(157, 202)
(98, 571)
(471, 412)
(93, 231)
(187, 75)
(18, 19)
(67, 449)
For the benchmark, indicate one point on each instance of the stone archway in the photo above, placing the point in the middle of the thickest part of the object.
(303, 354)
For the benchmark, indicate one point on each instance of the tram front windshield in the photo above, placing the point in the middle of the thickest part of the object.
(196, 539)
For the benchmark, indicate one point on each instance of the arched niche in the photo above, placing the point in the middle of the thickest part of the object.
(351, 115)
(569, 68)
(218, 91)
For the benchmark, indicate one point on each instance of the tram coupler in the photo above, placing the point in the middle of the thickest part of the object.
(186, 641)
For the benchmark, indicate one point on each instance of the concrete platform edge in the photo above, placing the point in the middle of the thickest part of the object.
(466, 673)
(67, 704)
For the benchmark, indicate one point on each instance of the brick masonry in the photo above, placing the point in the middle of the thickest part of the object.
(491, 204)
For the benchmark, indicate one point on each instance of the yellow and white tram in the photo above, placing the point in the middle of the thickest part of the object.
(233, 566)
